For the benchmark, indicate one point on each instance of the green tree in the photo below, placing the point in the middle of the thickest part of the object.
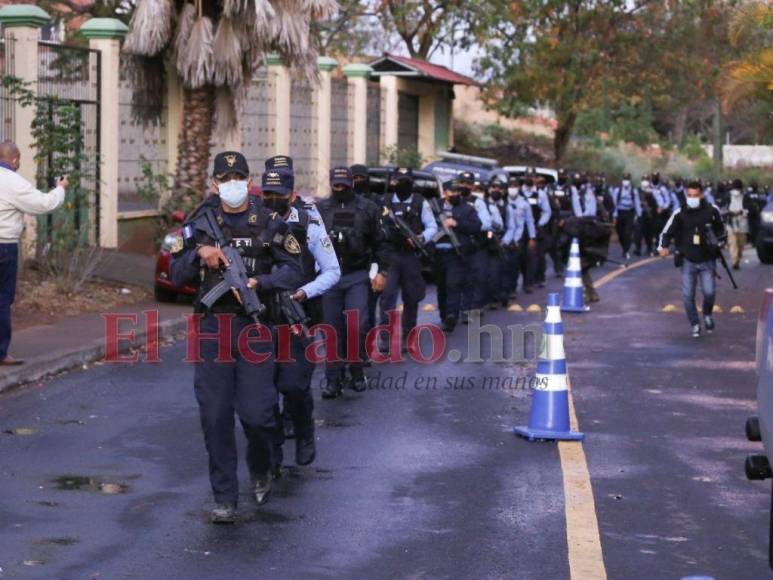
(555, 53)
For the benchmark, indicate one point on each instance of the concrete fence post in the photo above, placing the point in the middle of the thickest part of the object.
(391, 114)
(357, 76)
(324, 103)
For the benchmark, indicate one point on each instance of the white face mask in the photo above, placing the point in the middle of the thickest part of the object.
(693, 202)
(626, 183)
(512, 192)
(233, 193)
(645, 184)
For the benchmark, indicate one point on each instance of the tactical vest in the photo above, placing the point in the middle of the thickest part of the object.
(410, 212)
(347, 225)
(536, 209)
(248, 239)
(300, 230)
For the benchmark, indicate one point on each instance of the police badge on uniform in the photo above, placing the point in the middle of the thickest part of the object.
(177, 245)
(292, 245)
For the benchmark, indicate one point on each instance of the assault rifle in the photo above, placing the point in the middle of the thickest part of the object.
(234, 274)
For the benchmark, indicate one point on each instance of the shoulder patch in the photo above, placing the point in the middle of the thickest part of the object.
(291, 244)
(253, 219)
(326, 243)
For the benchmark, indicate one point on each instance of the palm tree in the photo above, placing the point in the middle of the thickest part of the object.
(751, 77)
(214, 46)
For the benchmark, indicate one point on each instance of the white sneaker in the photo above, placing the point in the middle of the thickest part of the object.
(708, 321)
(696, 331)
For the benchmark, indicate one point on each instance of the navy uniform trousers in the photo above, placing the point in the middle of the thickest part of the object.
(350, 293)
(404, 276)
(234, 386)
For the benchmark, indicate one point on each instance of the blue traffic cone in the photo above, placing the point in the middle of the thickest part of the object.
(573, 299)
(549, 416)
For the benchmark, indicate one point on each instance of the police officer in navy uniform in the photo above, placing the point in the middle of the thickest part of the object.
(404, 275)
(454, 262)
(241, 385)
(320, 273)
(627, 210)
(473, 294)
(533, 263)
(498, 210)
(354, 226)
(561, 206)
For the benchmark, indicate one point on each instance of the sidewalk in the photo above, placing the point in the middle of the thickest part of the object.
(52, 348)
(71, 342)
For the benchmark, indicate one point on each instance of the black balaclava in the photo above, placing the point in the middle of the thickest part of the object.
(362, 186)
(343, 195)
(279, 204)
(403, 189)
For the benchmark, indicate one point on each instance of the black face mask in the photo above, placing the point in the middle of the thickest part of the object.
(455, 200)
(280, 205)
(495, 194)
(403, 189)
(465, 191)
(362, 186)
(343, 195)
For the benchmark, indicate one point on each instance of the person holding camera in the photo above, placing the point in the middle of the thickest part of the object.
(698, 234)
(17, 198)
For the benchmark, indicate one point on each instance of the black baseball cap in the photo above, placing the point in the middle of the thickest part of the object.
(449, 185)
(230, 162)
(277, 181)
(279, 162)
(341, 176)
(359, 170)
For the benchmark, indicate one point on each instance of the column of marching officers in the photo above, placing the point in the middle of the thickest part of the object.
(348, 259)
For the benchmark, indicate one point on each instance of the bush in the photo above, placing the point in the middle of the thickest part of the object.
(693, 148)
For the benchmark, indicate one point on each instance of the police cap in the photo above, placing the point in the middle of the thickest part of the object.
(280, 162)
(230, 162)
(359, 170)
(277, 181)
(341, 176)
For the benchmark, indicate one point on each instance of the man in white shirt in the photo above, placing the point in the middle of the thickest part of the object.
(17, 197)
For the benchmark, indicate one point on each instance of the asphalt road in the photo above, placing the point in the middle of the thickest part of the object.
(103, 473)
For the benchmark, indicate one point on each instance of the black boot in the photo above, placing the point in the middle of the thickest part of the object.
(305, 450)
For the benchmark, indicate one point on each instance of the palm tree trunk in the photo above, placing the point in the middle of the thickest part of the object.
(190, 180)
(562, 135)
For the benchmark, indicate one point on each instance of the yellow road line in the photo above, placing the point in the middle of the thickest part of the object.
(586, 559)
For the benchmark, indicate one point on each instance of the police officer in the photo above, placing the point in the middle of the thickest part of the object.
(644, 229)
(520, 239)
(241, 384)
(354, 225)
(404, 274)
(663, 200)
(473, 296)
(697, 231)
(293, 374)
(627, 210)
(497, 207)
(548, 231)
(561, 205)
(584, 203)
(534, 265)
(462, 221)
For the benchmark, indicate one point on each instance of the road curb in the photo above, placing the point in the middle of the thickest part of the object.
(54, 362)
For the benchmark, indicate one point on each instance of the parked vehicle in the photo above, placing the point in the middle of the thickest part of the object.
(764, 241)
(550, 175)
(760, 428)
(452, 164)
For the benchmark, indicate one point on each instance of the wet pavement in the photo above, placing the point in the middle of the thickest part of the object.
(103, 471)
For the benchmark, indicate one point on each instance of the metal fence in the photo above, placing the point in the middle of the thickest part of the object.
(303, 135)
(69, 76)
(6, 101)
(139, 143)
